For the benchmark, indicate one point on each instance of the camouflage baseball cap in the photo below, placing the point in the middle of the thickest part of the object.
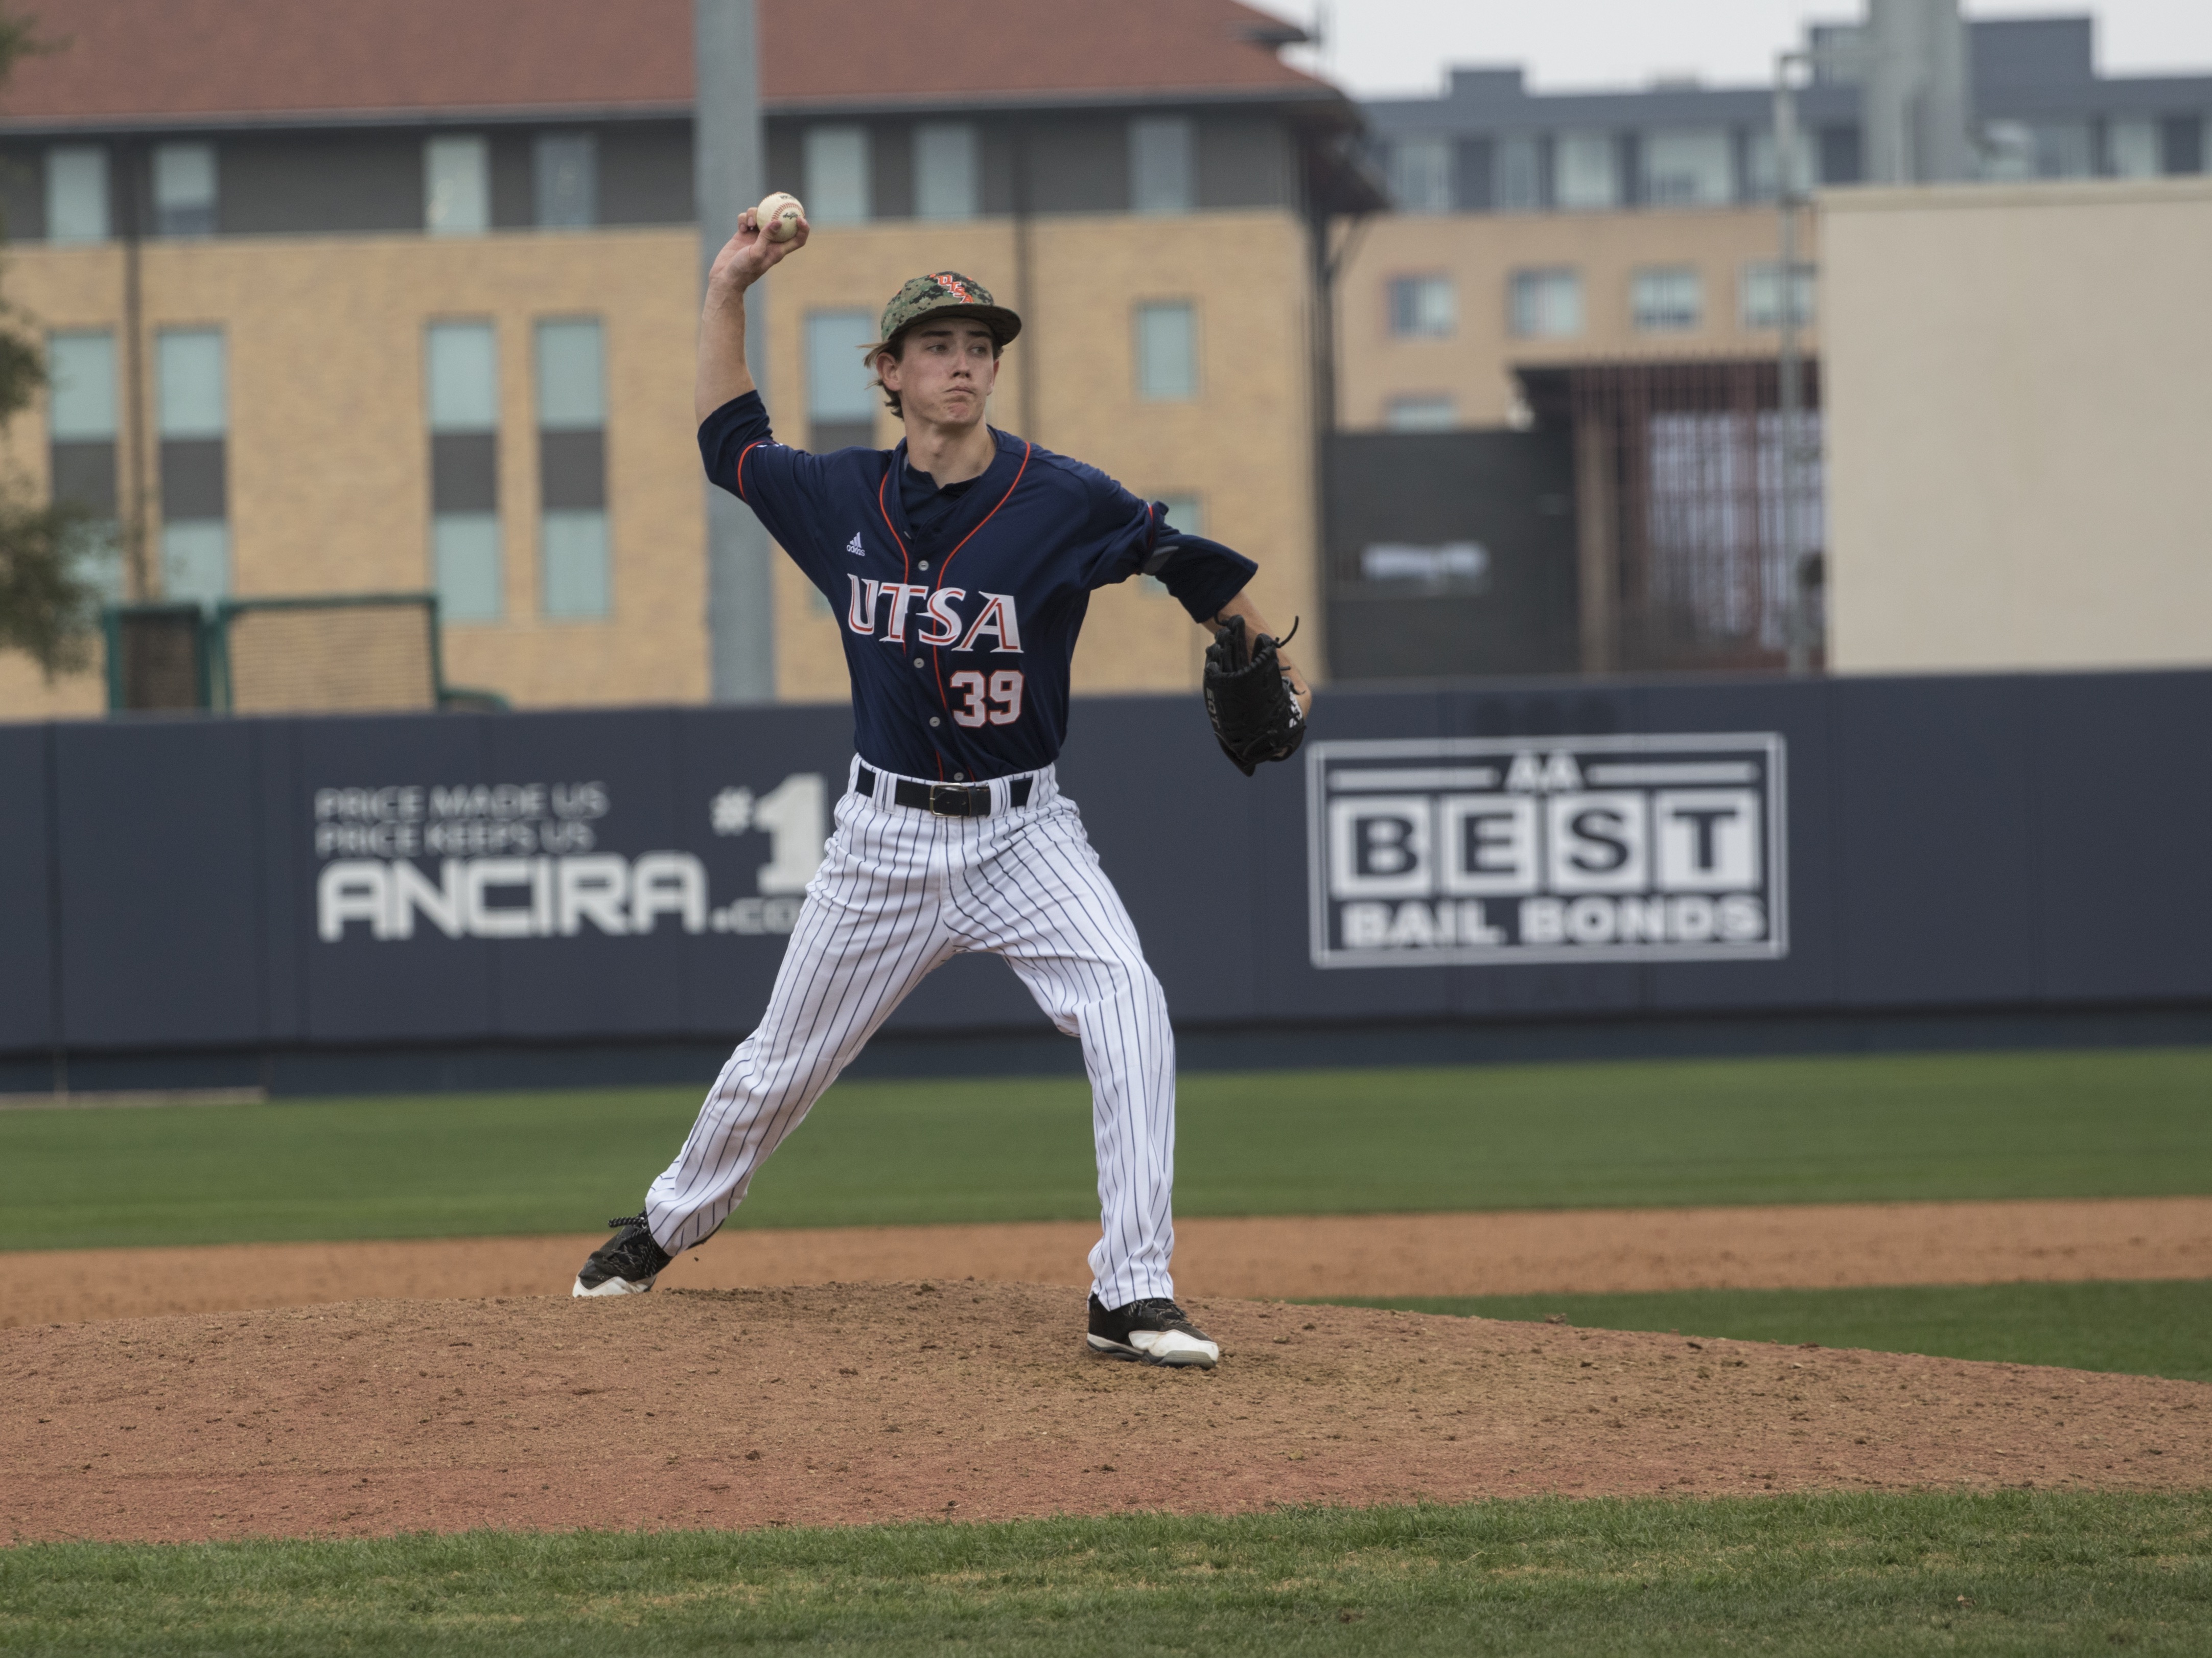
(946, 293)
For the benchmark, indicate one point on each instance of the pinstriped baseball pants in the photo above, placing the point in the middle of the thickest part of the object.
(901, 891)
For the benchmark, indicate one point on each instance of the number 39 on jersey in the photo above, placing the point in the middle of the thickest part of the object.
(980, 699)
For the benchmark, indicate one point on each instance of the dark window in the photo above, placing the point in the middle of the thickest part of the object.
(1841, 162)
(319, 184)
(22, 194)
(1244, 163)
(645, 173)
(890, 171)
(574, 468)
(84, 474)
(1079, 166)
(513, 187)
(464, 472)
(1471, 181)
(2181, 143)
(192, 479)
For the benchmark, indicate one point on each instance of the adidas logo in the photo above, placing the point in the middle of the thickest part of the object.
(854, 547)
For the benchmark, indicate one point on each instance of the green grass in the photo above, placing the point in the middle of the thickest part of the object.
(2016, 1573)
(1767, 1131)
(2151, 1329)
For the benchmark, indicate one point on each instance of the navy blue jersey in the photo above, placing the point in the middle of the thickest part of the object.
(959, 608)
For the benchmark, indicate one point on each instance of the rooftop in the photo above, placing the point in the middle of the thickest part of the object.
(205, 62)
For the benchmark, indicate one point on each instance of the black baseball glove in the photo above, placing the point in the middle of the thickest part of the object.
(1248, 699)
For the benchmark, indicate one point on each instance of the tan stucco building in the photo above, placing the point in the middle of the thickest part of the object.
(2019, 398)
(1715, 265)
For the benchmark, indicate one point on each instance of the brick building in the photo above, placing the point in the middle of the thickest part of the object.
(401, 295)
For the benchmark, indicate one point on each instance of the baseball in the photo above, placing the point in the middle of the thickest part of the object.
(778, 216)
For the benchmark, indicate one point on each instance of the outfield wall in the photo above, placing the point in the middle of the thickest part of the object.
(1476, 856)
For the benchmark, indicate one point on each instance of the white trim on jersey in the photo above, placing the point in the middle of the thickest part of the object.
(901, 891)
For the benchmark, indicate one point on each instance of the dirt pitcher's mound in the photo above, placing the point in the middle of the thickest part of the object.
(1317, 1257)
(857, 1402)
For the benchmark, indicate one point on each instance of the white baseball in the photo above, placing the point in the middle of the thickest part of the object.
(778, 216)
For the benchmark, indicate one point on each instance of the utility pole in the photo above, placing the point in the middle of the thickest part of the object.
(728, 166)
(1790, 200)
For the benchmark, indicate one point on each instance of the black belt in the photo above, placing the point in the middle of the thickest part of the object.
(947, 800)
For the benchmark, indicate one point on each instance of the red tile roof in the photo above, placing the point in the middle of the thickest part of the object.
(133, 61)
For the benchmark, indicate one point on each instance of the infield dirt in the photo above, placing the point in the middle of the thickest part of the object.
(1804, 1246)
(970, 1401)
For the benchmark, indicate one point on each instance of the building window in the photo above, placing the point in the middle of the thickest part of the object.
(1762, 296)
(81, 442)
(1423, 307)
(2061, 150)
(1689, 168)
(1426, 413)
(77, 194)
(1765, 175)
(840, 404)
(183, 190)
(1185, 512)
(2181, 143)
(457, 185)
(1585, 170)
(192, 408)
(461, 370)
(1420, 175)
(1163, 168)
(1546, 304)
(1517, 175)
(1167, 352)
(565, 180)
(836, 174)
(577, 577)
(2132, 149)
(944, 171)
(1666, 299)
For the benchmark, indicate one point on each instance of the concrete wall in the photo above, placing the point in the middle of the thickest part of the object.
(2019, 386)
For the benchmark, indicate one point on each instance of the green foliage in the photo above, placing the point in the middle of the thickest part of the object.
(2015, 1573)
(2155, 1328)
(48, 606)
(2126, 1122)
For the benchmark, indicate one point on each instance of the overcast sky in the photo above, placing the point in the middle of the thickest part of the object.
(1399, 48)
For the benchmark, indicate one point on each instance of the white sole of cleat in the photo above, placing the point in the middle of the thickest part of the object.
(613, 1287)
(1183, 1354)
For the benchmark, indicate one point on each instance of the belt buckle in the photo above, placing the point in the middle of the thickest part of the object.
(954, 791)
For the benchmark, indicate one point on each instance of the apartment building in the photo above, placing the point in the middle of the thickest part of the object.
(1609, 264)
(401, 296)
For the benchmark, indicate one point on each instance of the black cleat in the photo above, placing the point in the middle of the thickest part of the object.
(1155, 1331)
(626, 1264)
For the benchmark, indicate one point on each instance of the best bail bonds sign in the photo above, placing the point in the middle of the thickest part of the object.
(1466, 851)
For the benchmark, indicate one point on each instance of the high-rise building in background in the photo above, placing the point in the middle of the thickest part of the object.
(1604, 268)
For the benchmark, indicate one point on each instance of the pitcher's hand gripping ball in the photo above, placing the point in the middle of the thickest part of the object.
(778, 216)
(1248, 699)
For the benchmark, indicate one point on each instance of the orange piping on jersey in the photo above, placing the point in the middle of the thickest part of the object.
(742, 453)
(883, 513)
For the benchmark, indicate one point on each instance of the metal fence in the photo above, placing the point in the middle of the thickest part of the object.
(1699, 547)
